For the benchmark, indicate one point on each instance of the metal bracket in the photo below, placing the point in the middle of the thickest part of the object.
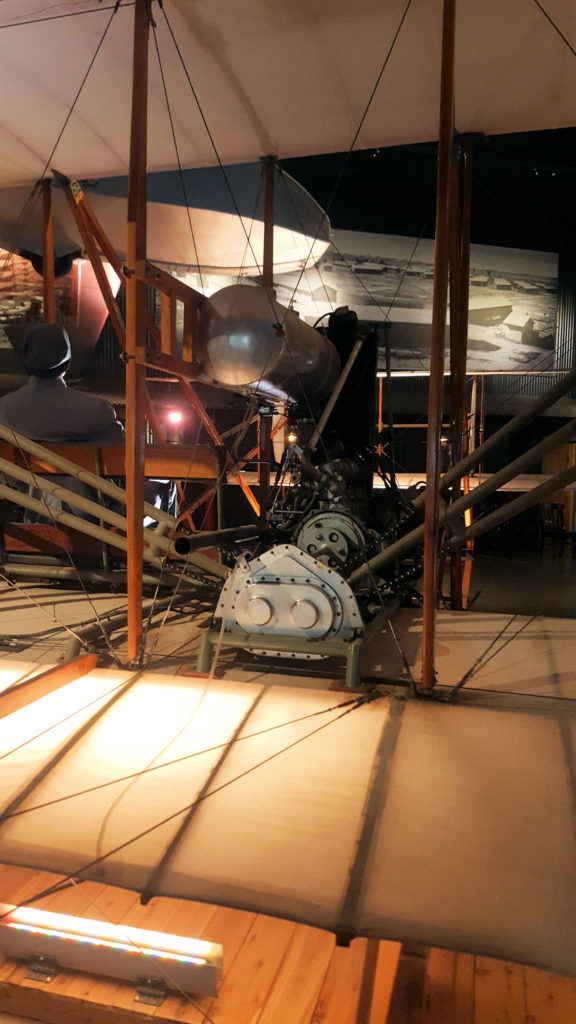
(151, 991)
(41, 968)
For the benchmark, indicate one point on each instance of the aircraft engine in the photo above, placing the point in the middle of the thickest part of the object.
(285, 592)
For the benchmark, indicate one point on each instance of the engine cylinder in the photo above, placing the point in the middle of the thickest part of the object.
(249, 341)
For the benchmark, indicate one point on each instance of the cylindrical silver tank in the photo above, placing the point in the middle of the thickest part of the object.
(249, 341)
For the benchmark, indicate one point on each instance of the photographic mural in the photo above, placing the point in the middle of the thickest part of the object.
(388, 279)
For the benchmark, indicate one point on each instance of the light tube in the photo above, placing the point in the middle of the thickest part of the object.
(121, 951)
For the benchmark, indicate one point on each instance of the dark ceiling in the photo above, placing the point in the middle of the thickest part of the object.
(524, 192)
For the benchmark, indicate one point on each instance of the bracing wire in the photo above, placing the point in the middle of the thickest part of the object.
(177, 154)
(59, 625)
(346, 160)
(248, 244)
(376, 588)
(227, 182)
(185, 757)
(483, 660)
(27, 206)
(158, 965)
(68, 554)
(70, 14)
(555, 27)
(195, 803)
(20, 224)
(208, 132)
(386, 312)
(55, 725)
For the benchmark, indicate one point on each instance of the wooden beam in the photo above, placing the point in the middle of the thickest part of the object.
(20, 694)
(268, 166)
(436, 381)
(136, 314)
(153, 276)
(78, 211)
(48, 254)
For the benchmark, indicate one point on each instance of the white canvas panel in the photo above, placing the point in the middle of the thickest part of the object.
(477, 833)
(29, 736)
(287, 829)
(439, 824)
(271, 77)
(176, 235)
(157, 721)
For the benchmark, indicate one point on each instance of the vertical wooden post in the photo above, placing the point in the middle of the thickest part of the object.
(461, 201)
(49, 315)
(439, 305)
(264, 413)
(136, 296)
(268, 165)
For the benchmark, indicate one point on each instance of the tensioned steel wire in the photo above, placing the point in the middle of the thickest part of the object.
(359, 128)
(177, 153)
(20, 228)
(249, 246)
(66, 552)
(348, 706)
(69, 14)
(27, 206)
(166, 764)
(159, 966)
(60, 625)
(257, 263)
(209, 133)
(556, 27)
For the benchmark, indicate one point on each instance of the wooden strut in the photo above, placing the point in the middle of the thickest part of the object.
(264, 412)
(436, 380)
(136, 315)
(94, 238)
(49, 313)
(460, 205)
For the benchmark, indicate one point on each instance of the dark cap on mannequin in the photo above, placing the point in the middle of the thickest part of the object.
(46, 351)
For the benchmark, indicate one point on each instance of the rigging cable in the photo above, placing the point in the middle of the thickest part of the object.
(208, 132)
(66, 551)
(19, 227)
(70, 14)
(66, 718)
(226, 179)
(158, 965)
(178, 760)
(555, 27)
(359, 128)
(194, 803)
(482, 661)
(21, 221)
(59, 625)
(177, 153)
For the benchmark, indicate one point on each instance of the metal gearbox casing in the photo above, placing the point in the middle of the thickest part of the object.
(287, 593)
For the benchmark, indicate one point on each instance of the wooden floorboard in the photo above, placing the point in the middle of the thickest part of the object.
(498, 993)
(275, 972)
(298, 983)
(340, 990)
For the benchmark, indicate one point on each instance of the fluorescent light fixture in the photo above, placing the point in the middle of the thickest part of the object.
(117, 951)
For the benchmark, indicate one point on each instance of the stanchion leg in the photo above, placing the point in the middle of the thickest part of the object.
(353, 664)
(204, 652)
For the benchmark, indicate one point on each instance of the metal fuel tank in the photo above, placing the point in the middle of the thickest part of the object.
(249, 341)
